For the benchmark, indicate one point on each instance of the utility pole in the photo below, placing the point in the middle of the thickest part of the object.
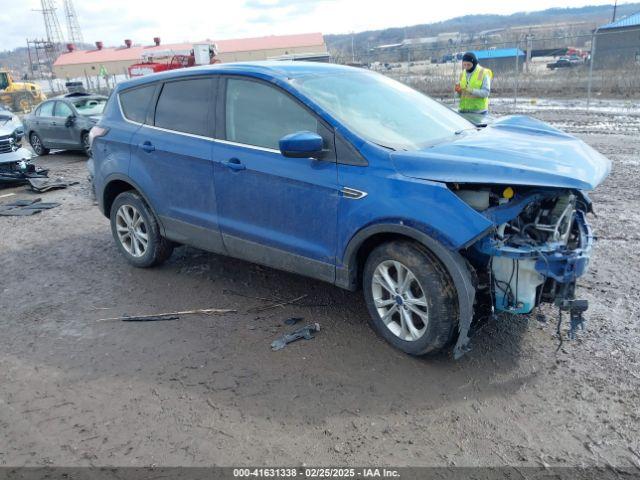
(529, 40)
(353, 51)
(515, 86)
(594, 38)
(73, 26)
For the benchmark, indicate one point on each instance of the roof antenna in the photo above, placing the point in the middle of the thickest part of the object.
(615, 7)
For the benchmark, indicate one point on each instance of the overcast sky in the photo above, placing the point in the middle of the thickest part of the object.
(191, 20)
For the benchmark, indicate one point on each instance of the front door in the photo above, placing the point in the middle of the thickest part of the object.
(171, 160)
(63, 130)
(274, 210)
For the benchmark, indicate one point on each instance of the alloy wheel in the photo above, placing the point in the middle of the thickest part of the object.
(86, 145)
(132, 230)
(36, 144)
(400, 300)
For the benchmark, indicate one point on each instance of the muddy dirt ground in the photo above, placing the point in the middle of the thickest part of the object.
(208, 390)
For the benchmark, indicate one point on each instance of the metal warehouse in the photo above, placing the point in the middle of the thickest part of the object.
(115, 60)
(617, 44)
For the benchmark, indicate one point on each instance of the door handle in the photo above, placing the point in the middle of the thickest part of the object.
(235, 164)
(147, 147)
(54, 124)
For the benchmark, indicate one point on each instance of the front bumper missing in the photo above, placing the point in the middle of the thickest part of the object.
(552, 267)
(16, 167)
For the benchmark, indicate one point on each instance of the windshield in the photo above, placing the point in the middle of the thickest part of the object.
(383, 110)
(90, 106)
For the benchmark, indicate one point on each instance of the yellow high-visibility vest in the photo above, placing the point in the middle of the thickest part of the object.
(469, 103)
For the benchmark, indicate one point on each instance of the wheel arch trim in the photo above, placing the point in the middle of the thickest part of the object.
(455, 264)
(123, 178)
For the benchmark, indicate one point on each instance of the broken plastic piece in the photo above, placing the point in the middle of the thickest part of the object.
(45, 184)
(576, 321)
(23, 208)
(293, 320)
(305, 332)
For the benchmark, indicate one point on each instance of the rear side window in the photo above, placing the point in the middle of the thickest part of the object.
(45, 110)
(260, 115)
(135, 103)
(183, 106)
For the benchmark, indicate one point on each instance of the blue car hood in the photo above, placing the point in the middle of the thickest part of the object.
(516, 150)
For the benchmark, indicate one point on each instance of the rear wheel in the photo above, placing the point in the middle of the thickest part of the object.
(37, 145)
(86, 146)
(137, 233)
(410, 297)
(22, 102)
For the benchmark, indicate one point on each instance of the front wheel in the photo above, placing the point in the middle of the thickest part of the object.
(136, 231)
(410, 297)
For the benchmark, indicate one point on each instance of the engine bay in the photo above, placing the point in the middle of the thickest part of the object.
(539, 246)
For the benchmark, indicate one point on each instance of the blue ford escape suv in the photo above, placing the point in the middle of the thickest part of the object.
(350, 177)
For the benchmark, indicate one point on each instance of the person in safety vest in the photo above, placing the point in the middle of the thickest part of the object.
(474, 86)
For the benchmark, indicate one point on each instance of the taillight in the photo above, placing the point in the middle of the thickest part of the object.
(97, 131)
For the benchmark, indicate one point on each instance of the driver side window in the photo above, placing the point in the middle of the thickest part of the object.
(62, 110)
(45, 110)
(260, 115)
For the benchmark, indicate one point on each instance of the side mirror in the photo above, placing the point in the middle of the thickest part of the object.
(301, 145)
(70, 120)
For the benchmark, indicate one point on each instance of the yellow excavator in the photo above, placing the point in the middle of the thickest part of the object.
(19, 96)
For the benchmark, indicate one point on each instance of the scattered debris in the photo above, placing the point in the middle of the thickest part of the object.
(7, 195)
(164, 316)
(293, 320)
(305, 332)
(276, 305)
(23, 208)
(40, 184)
(17, 172)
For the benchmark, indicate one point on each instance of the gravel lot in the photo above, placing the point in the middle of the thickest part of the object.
(208, 390)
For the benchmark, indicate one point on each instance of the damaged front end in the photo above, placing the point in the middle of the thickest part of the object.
(539, 247)
(15, 163)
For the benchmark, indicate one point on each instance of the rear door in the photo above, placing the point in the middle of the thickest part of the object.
(172, 161)
(273, 210)
(43, 120)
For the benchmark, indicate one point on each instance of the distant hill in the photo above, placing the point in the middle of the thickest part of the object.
(474, 24)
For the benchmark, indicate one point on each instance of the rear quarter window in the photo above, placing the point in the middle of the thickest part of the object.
(135, 102)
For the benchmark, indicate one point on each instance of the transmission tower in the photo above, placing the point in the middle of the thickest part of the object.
(51, 24)
(73, 27)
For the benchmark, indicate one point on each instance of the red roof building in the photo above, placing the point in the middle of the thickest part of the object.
(80, 63)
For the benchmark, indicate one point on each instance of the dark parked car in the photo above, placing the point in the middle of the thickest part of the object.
(353, 178)
(64, 122)
(566, 62)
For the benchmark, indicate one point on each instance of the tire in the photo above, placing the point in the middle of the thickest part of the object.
(426, 310)
(37, 145)
(22, 102)
(86, 148)
(131, 221)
